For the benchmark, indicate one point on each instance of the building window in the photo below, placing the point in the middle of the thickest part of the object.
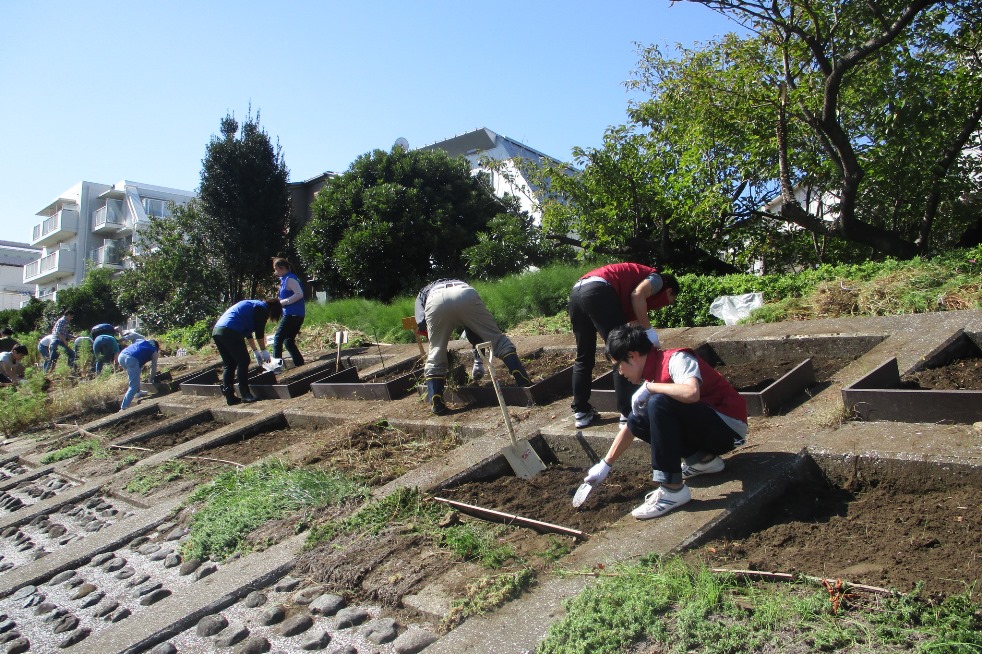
(157, 208)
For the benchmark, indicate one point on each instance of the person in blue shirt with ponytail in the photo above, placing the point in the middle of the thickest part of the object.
(292, 300)
(132, 359)
(233, 330)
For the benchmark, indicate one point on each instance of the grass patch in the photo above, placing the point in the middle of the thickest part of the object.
(487, 594)
(88, 447)
(681, 609)
(146, 481)
(468, 541)
(238, 501)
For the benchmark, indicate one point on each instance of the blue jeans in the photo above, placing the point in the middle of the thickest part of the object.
(53, 354)
(285, 337)
(676, 430)
(132, 367)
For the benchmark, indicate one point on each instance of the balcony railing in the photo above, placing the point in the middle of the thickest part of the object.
(108, 219)
(58, 227)
(107, 255)
(59, 263)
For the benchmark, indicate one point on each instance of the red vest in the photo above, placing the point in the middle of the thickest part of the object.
(624, 278)
(714, 390)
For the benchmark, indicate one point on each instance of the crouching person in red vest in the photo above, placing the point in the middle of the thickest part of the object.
(684, 409)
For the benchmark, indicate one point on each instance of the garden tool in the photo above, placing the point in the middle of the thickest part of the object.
(523, 459)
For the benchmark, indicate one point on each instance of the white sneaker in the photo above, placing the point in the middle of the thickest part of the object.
(714, 465)
(584, 418)
(622, 420)
(660, 501)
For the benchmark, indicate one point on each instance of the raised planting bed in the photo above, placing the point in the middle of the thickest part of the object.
(881, 522)
(170, 380)
(390, 383)
(551, 373)
(770, 374)
(946, 387)
(296, 384)
(276, 434)
(378, 452)
(207, 383)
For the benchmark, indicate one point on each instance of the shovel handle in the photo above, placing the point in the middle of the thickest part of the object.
(481, 347)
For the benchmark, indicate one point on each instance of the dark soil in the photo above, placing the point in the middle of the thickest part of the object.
(878, 535)
(378, 453)
(129, 425)
(755, 376)
(539, 366)
(959, 375)
(548, 497)
(166, 441)
(252, 448)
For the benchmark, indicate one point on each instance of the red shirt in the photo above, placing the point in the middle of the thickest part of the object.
(624, 278)
(714, 390)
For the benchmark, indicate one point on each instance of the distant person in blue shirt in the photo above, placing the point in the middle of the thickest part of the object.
(292, 300)
(132, 359)
(236, 327)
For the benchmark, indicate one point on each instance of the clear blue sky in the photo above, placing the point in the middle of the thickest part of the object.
(103, 91)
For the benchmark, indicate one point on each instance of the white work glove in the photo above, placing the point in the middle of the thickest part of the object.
(597, 473)
(264, 355)
(652, 336)
(639, 399)
(258, 357)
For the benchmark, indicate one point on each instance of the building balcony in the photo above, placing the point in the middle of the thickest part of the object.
(108, 220)
(58, 264)
(108, 256)
(59, 227)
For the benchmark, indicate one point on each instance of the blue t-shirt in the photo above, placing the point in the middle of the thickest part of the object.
(241, 317)
(142, 350)
(296, 308)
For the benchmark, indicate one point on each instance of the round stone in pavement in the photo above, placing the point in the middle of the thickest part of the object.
(189, 566)
(254, 599)
(307, 595)
(273, 615)
(327, 604)
(62, 576)
(211, 625)
(286, 584)
(76, 636)
(18, 646)
(22, 592)
(231, 635)
(381, 630)
(351, 617)
(205, 570)
(296, 624)
(347, 649)
(252, 645)
(316, 639)
(413, 641)
(164, 648)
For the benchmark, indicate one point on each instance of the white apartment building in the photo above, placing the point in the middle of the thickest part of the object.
(92, 224)
(13, 257)
(483, 143)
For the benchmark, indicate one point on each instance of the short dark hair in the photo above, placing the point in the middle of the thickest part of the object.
(623, 340)
(669, 281)
(280, 262)
(275, 308)
(20, 349)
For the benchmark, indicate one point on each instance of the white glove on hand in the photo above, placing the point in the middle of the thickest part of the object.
(639, 399)
(652, 336)
(597, 473)
(264, 355)
(259, 358)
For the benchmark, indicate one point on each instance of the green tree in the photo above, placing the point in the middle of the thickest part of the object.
(245, 205)
(870, 106)
(395, 220)
(26, 319)
(174, 281)
(93, 301)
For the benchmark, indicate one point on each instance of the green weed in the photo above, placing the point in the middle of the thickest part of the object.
(487, 594)
(23, 405)
(144, 482)
(683, 609)
(238, 501)
(88, 447)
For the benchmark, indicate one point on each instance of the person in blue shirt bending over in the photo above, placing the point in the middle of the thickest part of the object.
(237, 326)
(132, 359)
(292, 300)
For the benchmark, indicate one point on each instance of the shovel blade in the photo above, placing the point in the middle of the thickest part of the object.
(524, 461)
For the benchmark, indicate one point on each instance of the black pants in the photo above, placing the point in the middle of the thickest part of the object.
(595, 309)
(235, 359)
(285, 336)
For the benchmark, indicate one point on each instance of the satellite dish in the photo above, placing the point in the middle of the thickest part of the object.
(401, 143)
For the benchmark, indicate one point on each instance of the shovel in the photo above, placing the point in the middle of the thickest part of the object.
(520, 455)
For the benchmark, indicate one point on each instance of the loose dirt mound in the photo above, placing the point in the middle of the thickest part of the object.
(960, 375)
(882, 536)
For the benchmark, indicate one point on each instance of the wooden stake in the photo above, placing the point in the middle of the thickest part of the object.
(510, 518)
(130, 447)
(208, 458)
